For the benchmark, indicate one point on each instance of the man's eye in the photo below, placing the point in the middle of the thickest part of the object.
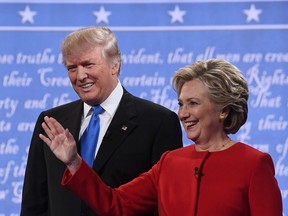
(71, 69)
(88, 65)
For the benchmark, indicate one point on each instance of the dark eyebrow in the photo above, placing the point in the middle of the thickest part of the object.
(68, 66)
(86, 61)
(80, 63)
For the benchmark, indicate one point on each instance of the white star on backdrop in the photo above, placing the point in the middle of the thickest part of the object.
(177, 15)
(252, 13)
(102, 15)
(27, 15)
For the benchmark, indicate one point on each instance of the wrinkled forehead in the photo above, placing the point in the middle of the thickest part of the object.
(81, 53)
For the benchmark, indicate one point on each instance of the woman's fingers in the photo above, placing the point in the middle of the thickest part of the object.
(52, 127)
(54, 131)
(45, 139)
(56, 126)
(59, 140)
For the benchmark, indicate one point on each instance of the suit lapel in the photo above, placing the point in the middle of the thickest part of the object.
(120, 127)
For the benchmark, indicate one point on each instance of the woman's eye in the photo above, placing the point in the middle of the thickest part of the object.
(192, 103)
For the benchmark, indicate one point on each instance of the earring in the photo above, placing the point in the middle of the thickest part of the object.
(222, 117)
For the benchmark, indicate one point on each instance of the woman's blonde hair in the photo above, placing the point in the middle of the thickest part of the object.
(226, 86)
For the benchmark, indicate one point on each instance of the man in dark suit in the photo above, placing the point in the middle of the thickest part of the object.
(133, 132)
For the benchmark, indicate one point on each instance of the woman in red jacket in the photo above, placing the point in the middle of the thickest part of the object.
(214, 176)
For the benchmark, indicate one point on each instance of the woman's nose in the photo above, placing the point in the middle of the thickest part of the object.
(183, 112)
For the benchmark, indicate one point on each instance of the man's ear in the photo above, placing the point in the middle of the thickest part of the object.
(115, 66)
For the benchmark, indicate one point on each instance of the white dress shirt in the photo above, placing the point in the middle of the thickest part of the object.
(110, 106)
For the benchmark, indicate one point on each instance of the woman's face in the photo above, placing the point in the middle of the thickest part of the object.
(198, 113)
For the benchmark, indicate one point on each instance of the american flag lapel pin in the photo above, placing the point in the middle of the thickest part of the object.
(124, 127)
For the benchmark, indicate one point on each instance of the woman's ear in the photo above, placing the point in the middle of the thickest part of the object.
(224, 113)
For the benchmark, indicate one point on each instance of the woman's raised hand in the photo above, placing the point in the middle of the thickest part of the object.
(61, 143)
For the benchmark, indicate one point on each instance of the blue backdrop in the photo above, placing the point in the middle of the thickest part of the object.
(156, 38)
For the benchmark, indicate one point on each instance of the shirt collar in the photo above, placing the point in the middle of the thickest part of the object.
(110, 105)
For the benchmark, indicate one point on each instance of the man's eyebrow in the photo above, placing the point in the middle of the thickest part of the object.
(80, 63)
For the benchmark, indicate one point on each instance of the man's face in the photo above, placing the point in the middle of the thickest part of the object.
(92, 76)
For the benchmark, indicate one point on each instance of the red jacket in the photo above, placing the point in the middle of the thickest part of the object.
(238, 181)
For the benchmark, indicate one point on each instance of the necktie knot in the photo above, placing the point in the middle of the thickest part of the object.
(97, 109)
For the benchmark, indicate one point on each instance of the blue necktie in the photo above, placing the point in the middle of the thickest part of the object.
(90, 136)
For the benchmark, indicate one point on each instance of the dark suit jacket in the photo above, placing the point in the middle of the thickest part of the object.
(137, 136)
